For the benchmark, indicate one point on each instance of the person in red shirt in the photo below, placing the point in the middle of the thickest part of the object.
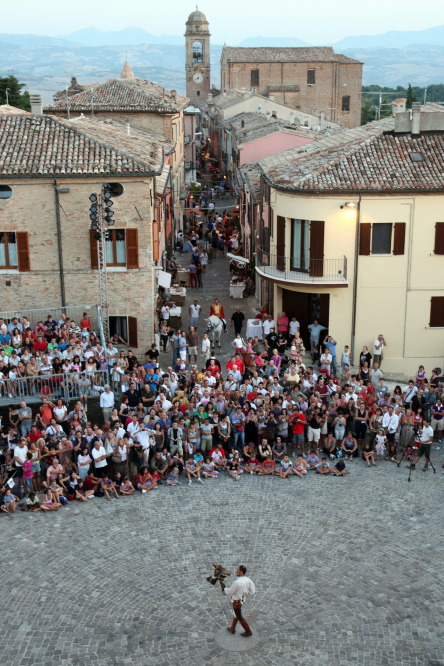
(252, 466)
(86, 322)
(267, 466)
(40, 344)
(35, 434)
(298, 422)
(213, 368)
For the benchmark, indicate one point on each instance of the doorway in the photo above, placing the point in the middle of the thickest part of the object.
(306, 308)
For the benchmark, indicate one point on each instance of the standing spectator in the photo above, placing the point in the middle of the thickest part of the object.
(378, 347)
(206, 347)
(315, 331)
(330, 343)
(192, 339)
(193, 278)
(283, 326)
(237, 319)
(107, 403)
(194, 310)
(25, 418)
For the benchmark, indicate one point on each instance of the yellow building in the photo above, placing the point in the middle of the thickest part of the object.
(351, 232)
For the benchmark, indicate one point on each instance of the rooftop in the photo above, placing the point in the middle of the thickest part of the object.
(123, 95)
(235, 96)
(252, 126)
(7, 109)
(47, 145)
(284, 54)
(399, 100)
(369, 158)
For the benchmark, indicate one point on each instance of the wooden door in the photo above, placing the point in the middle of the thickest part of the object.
(297, 304)
(317, 248)
(280, 243)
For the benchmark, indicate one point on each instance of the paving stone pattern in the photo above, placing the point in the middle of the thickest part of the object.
(348, 570)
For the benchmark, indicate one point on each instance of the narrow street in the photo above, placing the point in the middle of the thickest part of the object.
(216, 284)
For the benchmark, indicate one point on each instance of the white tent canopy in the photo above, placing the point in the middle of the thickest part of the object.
(241, 260)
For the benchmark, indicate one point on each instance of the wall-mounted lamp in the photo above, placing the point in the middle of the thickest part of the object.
(349, 204)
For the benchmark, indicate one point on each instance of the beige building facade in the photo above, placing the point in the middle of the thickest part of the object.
(346, 245)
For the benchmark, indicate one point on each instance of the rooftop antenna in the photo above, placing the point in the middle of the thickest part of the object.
(92, 102)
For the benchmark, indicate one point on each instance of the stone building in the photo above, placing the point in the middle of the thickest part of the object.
(141, 105)
(313, 79)
(49, 167)
(197, 58)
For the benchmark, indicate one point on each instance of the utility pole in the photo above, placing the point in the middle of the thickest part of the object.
(380, 102)
(425, 95)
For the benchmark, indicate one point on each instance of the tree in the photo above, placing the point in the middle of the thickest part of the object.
(15, 96)
(367, 112)
(411, 97)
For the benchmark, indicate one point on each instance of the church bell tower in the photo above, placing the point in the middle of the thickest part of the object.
(197, 60)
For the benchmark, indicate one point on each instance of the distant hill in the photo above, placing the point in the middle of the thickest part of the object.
(395, 39)
(125, 37)
(35, 40)
(272, 41)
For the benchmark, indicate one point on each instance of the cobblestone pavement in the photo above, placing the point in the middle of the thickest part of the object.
(348, 570)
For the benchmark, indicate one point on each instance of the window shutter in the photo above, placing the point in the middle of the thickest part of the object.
(364, 241)
(399, 239)
(316, 265)
(280, 243)
(132, 248)
(23, 251)
(93, 246)
(132, 332)
(439, 238)
(437, 312)
(155, 241)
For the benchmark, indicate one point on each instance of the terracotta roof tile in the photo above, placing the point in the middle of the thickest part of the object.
(284, 54)
(123, 95)
(47, 145)
(380, 162)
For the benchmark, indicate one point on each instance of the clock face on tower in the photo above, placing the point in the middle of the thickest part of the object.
(198, 78)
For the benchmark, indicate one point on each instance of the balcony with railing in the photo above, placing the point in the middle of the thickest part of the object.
(301, 271)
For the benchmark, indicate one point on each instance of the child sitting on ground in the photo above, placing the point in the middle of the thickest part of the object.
(323, 467)
(339, 469)
(312, 461)
(173, 479)
(209, 469)
(126, 488)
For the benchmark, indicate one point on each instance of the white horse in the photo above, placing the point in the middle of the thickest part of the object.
(214, 330)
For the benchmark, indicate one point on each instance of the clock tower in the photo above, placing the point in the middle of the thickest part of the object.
(197, 58)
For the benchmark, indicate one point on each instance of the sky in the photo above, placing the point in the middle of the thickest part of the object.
(231, 21)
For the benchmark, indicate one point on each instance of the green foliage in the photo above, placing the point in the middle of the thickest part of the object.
(368, 112)
(411, 97)
(15, 96)
(435, 93)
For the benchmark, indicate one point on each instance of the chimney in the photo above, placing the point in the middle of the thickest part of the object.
(210, 97)
(73, 81)
(128, 131)
(416, 120)
(36, 105)
(173, 94)
(322, 120)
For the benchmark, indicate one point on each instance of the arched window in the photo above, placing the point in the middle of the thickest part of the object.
(197, 52)
(346, 103)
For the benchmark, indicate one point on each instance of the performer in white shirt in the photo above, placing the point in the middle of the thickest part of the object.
(238, 592)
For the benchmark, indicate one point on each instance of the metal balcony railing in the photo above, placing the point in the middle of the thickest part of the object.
(301, 270)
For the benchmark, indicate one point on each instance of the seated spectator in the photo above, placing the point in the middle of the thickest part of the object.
(349, 446)
(267, 467)
(286, 468)
(300, 466)
(323, 467)
(368, 454)
(339, 469)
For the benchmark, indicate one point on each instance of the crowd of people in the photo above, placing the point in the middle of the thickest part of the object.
(183, 416)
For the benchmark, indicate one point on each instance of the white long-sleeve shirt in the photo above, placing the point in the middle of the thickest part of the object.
(240, 589)
(390, 422)
(107, 400)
